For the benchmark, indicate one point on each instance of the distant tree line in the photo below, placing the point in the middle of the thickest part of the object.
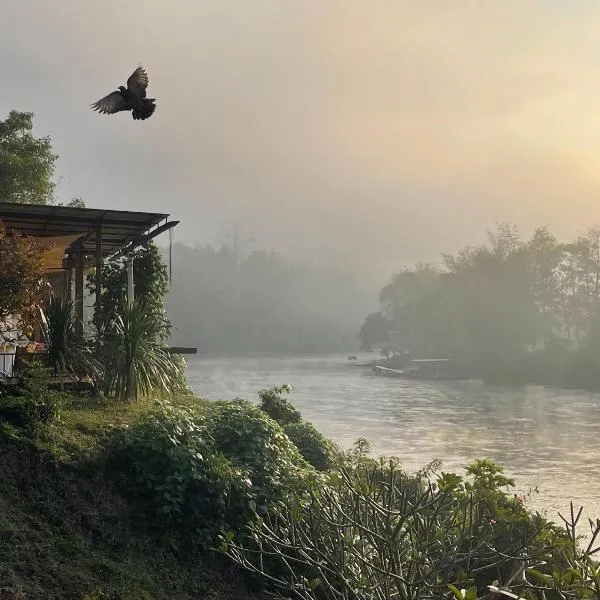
(226, 301)
(511, 308)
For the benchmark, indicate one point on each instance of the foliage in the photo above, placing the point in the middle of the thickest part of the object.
(497, 305)
(75, 202)
(375, 532)
(68, 352)
(136, 362)
(169, 462)
(147, 339)
(228, 303)
(316, 449)
(38, 406)
(180, 385)
(203, 472)
(571, 570)
(26, 162)
(277, 407)
(251, 440)
(68, 530)
(150, 284)
(20, 274)
(68, 525)
(374, 332)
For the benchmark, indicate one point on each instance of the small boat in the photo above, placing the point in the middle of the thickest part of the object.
(427, 369)
(387, 371)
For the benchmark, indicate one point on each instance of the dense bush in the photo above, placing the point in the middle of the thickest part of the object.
(375, 532)
(277, 407)
(255, 442)
(202, 472)
(37, 406)
(169, 463)
(316, 449)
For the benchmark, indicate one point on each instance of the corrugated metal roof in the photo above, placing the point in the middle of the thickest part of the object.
(118, 227)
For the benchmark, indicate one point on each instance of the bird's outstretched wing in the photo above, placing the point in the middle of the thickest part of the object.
(110, 104)
(138, 82)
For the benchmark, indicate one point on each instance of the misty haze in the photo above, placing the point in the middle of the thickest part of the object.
(332, 231)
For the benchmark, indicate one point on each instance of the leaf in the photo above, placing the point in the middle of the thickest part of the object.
(541, 577)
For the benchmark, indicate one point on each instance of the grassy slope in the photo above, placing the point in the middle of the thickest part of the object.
(65, 533)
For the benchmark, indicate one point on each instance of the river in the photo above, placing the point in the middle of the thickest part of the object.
(543, 437)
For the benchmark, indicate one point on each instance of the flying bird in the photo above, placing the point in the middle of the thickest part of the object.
(132, 97)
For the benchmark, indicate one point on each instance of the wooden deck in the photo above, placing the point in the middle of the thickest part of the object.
(182, 350)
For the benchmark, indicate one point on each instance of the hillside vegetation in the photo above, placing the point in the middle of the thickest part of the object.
(162, 499)
(68, 533)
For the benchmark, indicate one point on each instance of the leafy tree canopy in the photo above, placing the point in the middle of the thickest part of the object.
(26, 162)
(499, 303)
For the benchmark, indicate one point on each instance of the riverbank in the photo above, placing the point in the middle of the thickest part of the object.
(112, 501)
(544, 437)
(68, 533)
(569, 371)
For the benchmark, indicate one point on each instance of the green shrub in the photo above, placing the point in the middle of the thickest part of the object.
(256, 443)
(375, 532)
(169, 463)
(38, 406)
(136, 360)
(316, 449)
(206, 472)
(312, 444)
(277, 407)
(68, 352)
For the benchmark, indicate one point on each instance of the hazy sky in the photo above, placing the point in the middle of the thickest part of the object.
(391, 130)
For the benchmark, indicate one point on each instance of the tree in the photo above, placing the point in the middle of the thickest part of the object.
(374, 332)
(262, 302)
(546, 255)
(414, 302)
(26, 162)
(20, 274)
(150, 278)
(493, 300)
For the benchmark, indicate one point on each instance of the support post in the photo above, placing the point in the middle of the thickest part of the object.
(98, 313)
(130, 285)
(69, 292)
(79, 268)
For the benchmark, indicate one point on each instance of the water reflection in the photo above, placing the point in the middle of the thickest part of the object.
(543, 437)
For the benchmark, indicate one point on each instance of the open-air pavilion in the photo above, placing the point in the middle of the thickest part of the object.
(75, 239)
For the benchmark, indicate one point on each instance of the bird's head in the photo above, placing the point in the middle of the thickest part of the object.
(122, 89)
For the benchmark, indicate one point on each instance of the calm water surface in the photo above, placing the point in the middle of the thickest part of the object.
(543, 437)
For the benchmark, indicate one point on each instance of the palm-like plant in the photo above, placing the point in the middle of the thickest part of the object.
(68, 352)
(136, 361)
